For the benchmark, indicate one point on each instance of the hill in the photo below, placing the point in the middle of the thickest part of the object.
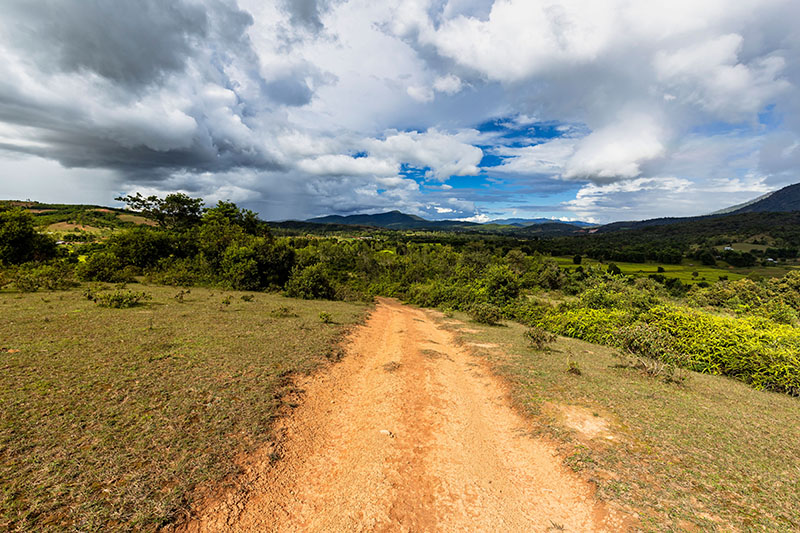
(396, 220)
(781, 201)
(533, 221)
(784, 200)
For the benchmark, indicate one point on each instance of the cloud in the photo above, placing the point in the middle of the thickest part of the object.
(342, 165)
(618, 150)
(316, 106)
(444, 154)
(449, 84)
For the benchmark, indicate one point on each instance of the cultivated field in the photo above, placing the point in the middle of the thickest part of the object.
(685, 270)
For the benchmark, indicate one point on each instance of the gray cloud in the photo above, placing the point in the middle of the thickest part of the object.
(267, 102)
(131, 43)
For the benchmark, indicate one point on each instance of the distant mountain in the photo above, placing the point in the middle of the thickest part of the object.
(784, 200)
(392, 219)
(522, 222)
(400, 221)
(737, 207)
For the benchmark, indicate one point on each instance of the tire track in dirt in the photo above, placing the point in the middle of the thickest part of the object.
(409, 432)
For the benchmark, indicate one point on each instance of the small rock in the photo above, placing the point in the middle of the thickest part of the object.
(387, 433)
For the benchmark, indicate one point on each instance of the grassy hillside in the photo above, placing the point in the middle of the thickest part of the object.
(111, 416)
(711, 454)
(94, 221)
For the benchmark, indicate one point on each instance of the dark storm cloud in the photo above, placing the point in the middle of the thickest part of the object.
(151, 86)
(131, 43)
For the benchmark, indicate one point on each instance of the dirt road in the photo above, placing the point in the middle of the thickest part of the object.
(409, 432)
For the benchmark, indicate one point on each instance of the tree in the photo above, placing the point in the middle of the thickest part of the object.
(244, 218)
(19, 240)
(577, 260)
(175, 211)
(707, 258)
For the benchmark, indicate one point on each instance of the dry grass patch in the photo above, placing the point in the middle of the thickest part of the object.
(136, 219)
(110, 417)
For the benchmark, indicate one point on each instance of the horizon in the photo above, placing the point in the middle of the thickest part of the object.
(444, 109)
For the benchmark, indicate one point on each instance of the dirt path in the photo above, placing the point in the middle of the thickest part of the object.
(408, 433)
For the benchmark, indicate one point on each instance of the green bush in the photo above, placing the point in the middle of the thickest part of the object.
(104, 266)
(538, 337)
(310, 283)
(119, 299)
(182, 272)
(593, 325)
(500, 283)
(19, 240)
(141, 246)
(51, 277)
(648, 341)
(485, 313)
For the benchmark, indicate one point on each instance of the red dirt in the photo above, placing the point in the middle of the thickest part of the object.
(409, 432)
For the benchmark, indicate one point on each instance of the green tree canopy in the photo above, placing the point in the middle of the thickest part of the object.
(19, 240)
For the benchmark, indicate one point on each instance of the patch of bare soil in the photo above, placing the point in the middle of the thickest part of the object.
(589, 425)
(390, 439)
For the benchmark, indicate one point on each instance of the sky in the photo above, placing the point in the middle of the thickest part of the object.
(595, 110)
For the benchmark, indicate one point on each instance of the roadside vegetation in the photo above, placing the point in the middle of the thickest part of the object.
(703, 453)
(107, 340)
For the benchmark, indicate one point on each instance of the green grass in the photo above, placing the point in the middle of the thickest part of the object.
(743, 247)
(110, 417)
(684, 271)
(710, 454)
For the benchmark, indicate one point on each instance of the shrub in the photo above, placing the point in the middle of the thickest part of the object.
(528, 312)
(19, 240)
(141, 246)
(501, 284)
(310, 283)
(778, 311)
(283, 312)
(182, 272)
(593, 325)
(325, 318)
(104, 266)
(51, 277)
(538, 337)
(119, 299)
(654, 351)
(574, 368)
(25, 280)
(485, 313)
(647, 340)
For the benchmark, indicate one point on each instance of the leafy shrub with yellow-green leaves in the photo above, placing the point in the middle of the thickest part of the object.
(753, 349)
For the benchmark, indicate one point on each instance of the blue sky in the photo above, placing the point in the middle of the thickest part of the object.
(464, 109)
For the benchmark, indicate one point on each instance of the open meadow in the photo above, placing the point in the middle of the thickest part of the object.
(112, 416)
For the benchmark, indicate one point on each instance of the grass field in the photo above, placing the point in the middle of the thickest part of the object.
(110, 417)
(136, 219)
(711, 454)
(684, 271)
